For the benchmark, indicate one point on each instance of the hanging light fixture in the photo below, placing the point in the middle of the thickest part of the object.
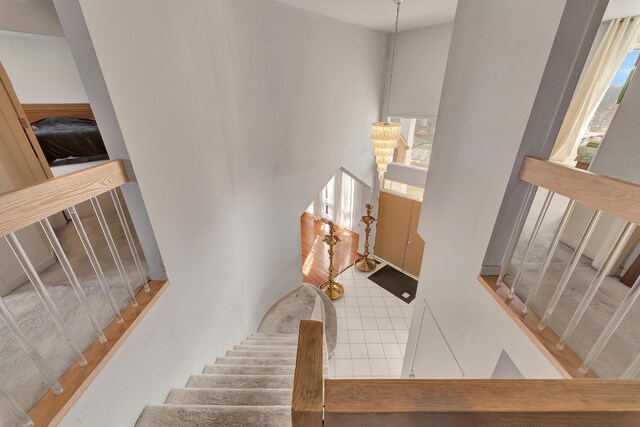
(385, 135)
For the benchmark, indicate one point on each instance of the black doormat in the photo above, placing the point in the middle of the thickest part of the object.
(396, 282)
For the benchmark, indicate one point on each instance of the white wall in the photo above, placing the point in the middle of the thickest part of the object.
(41, 68)
(494, 70)
(30, 16)
(235, 114)
(421, 58)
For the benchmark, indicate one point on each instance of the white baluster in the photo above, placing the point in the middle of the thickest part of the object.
(44, 295)
(17, 412)
(611, 327)
(114, 250)
(532, 240)
(514, 237)
(93, 259)
(552, 249)
(28, 347)
(571, 266)
(71, 275)
(623, 238)
(130, 241)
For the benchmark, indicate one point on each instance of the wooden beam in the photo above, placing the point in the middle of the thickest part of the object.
(308, 382)
(567, 362)
(471, 402)
(35, 112)
(51, 409)
(617, 197)
(22, 207)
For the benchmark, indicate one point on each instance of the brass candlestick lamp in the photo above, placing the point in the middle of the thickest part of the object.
(331, 288)
(365, 263)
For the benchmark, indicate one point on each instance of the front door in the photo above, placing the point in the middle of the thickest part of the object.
(397, 240)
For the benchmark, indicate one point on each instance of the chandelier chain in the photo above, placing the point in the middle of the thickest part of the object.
(393, 60)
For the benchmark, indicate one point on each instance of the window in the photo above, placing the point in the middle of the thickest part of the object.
(328, 200)
(407, 190)
(414, 147)
(601, 119)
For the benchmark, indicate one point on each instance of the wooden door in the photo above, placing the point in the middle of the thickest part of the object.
(19, 144)
(415, 244)
(397, 239)
(392, 232)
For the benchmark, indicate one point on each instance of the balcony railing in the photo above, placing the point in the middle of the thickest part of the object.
(605, 195)
(34, 205)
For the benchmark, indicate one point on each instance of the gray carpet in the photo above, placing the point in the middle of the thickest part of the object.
(251, 384)
(625, 344)
(17, 373)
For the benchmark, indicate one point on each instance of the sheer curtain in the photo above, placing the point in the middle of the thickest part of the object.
(620, 38)
(345, 204)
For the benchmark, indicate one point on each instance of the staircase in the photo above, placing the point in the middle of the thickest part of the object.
(250, 386)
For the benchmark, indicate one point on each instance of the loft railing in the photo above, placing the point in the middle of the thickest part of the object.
(308, 381)
(35, 204)
(602, 193)
(408, 402)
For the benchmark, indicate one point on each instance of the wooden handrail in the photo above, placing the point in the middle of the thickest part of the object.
(481, 402)
(308, 382)
(25, 206)
(620, 198)
(566, 361)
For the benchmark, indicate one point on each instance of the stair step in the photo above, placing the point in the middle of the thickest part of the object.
(274, 339)
(241, 353)
(271, 343)
(240, 381)
(273, 361)
(248, 370)
(262, 334)
(231, 397)
(211, 415)
(243, 347)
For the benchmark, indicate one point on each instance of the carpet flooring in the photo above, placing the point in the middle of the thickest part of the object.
(251, 384)
(17, 372)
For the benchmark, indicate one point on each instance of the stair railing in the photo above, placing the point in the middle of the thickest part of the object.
(308, 380)
(35, 204)
(605, 195)
(459, 402)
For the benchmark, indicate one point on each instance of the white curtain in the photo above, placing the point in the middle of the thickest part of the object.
(345, 203)
(619, 40)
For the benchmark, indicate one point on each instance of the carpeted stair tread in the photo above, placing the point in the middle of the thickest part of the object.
(268, 348)
(221, 416)
(240, 381)
(243, 347)
(263, 334)
(242, 353)
(270, 343)
(248, 370)
(273, 339)
(230, 397)
(273, 361)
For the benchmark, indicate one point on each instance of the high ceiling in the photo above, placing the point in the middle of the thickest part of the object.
(381, 14)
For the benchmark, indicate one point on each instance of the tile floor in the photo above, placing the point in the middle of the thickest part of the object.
(373, 326)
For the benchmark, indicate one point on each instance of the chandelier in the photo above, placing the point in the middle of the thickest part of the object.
(385, 135)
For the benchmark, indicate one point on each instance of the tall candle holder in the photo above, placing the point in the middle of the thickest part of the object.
(365, 263)
(331, 288)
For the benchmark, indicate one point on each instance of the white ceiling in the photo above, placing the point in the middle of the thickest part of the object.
(381, 14)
